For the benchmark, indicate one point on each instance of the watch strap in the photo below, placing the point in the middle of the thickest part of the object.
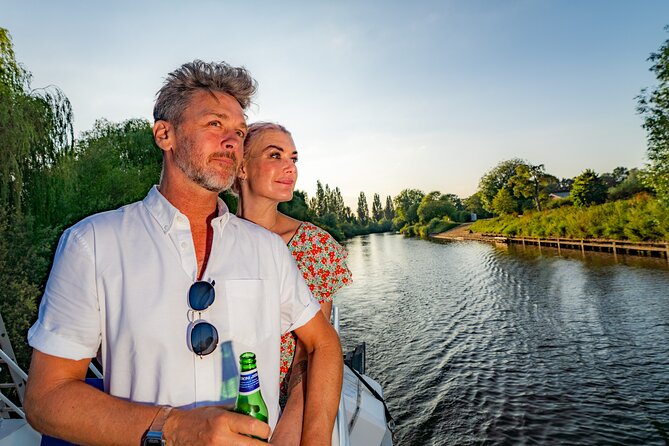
(154, 435)
(160, 418)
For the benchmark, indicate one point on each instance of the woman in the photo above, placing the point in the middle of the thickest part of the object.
(266, 178)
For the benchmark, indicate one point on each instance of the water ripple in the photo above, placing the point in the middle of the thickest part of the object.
(485, 346)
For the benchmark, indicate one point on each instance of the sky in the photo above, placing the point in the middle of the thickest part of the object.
(380, 96)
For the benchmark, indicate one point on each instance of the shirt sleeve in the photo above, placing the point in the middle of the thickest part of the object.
(68, 325)
(338, 273)
(298, 305)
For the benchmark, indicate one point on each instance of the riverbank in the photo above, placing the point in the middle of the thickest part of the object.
(615, 247)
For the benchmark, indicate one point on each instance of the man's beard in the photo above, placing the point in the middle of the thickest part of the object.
(186, 158)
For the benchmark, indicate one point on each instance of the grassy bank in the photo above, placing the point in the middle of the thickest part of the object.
(641, 218)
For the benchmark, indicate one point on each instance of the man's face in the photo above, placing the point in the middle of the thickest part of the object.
(209, 140)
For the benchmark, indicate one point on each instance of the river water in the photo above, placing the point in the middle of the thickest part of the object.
(477, 344)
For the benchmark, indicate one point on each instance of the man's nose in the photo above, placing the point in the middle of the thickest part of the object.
(232, 141)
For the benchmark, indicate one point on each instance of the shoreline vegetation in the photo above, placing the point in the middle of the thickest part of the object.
(641, 218)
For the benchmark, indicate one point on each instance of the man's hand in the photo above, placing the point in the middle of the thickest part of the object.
(213, 426)
(60, 404)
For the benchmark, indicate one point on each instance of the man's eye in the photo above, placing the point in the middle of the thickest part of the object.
(241, 134)
(215, 124)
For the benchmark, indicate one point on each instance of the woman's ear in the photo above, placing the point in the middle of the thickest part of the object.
(241, 172)
(163, 134)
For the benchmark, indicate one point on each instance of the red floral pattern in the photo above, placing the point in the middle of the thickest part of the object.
(323, 264)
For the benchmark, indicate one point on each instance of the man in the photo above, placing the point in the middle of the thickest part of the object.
(157, 284)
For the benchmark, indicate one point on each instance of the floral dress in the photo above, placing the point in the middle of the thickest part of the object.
(323, 264)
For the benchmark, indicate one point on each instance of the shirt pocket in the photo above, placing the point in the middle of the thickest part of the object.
(248, 310)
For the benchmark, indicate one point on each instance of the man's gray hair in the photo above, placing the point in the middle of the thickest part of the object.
(175, 94)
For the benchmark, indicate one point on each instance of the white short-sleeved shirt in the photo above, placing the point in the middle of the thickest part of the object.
(120, 282)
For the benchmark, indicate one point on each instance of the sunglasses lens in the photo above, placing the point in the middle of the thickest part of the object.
(203, 338)
(201, 295)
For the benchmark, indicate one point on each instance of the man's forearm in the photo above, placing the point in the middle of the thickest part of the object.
(81, 414)
(324, 381)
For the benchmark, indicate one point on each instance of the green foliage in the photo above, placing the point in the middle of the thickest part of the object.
(473, 204)
(503, 203)
(406, 207)
(297, 207)
(377, 209)
(435, 205)
(25, 255)
(363, 210)
(653, 106)
(641, 218)
(389, 209)
(628, 186)
(531, 182)
(495, 179)
(35, 128)
(588, 189)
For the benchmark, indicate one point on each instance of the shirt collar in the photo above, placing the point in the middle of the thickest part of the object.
(165, 213)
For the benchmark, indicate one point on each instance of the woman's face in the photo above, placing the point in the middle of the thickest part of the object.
(270, 168)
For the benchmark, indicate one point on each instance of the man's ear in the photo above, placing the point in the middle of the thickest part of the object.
(163, 135)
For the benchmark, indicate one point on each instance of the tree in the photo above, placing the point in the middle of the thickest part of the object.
(406, 207)
(435, 205)
(297, 206)
(495, 179)
(530, 181)
(337, 204)
(318, 203)
(35, 128)
(474, 205)
(588, 189)
(389, 209)
(363, 209)
(627, 188)
(503, 203)
(377, 210)
(653, 106)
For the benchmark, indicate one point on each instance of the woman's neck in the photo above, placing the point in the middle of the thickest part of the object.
(263, 213)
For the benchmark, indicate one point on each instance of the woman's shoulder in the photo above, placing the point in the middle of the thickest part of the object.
(315, 234)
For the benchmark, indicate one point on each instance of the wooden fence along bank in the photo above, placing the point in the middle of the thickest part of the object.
(615, 247)
(651, 249)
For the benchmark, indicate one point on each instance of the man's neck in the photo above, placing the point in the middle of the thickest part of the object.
(195, 202)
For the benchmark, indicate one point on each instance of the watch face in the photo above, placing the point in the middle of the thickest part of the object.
(153, 439)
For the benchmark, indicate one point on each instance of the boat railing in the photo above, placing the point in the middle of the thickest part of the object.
(340, 435)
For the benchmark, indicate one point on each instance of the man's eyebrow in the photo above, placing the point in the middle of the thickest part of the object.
(222, 116)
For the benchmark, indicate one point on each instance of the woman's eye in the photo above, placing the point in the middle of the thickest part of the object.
(275, 155)
(294, 160)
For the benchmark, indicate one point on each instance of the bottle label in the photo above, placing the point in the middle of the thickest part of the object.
(249, 382)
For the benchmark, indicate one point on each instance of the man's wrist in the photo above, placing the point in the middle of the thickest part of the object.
(154, 434)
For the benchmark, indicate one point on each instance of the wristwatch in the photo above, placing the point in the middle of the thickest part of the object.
(154, 435)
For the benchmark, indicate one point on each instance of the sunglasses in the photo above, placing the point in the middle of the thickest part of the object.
(203, 336)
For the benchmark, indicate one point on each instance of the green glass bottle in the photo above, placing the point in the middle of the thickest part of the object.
(249, 399)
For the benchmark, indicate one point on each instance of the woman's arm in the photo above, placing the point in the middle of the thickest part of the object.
(288, 431)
